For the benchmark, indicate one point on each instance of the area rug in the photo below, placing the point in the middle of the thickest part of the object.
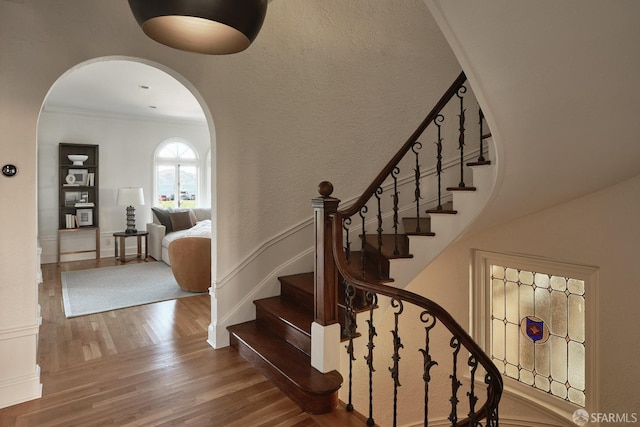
(111, 288)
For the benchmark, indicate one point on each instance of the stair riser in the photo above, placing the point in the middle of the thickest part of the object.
(380, 262)
(297, 296)
(294, 336)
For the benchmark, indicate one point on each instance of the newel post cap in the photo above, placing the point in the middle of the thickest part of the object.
(325, 188)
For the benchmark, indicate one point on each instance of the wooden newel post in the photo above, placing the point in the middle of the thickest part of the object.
(326, 274)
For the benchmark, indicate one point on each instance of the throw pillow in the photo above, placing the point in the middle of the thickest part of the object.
(181, 220)
(163, 218)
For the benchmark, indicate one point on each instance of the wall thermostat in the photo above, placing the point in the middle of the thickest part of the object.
(9, 170)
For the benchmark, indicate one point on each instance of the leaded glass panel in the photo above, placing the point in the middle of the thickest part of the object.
(538, 330)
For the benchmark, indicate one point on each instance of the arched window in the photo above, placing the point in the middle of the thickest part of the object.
(177, 172)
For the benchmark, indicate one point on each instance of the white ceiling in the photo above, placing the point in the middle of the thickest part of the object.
(115, 87)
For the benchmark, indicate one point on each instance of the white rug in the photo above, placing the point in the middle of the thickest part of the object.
(110, 288)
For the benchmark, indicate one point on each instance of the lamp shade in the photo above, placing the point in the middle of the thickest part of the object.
(130, 196)
(215, 27)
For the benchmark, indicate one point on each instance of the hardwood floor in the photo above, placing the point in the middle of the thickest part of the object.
(148, 366)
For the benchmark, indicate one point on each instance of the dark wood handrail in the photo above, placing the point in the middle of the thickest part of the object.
(494, 385)
(377, 182)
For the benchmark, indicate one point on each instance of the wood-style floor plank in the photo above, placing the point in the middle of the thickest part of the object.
(148, 365)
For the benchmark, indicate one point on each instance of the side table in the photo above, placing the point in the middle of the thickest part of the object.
(120, 244)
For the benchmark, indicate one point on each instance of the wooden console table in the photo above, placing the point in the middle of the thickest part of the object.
(62, 231)
(120, 244)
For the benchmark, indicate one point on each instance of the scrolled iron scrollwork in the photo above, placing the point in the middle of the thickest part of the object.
(429, 323)
(372, 300)
(416, 147)
(461, 130)
(473, 399)
(363, 290)
(455, 383)
(379, 230)
(346, 222)
(398, 305)
(438, 121)
(350, 329)
(481, 123)
(395, 196)
(363, 259)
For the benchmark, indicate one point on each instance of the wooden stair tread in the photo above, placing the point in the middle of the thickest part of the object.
(289, 313)
(285, 360)
(461, 188)
(301, 281)
(479, 163)
(446, 208)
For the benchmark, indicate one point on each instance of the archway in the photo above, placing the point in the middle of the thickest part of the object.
(118, 103)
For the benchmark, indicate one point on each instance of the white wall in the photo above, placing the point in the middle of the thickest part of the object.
(601, 230)
(326, 84)
(127, 147)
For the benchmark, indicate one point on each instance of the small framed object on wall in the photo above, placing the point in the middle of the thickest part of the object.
(85, 217)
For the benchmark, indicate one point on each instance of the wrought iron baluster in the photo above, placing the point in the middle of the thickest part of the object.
(378, 193)
(350, 328)
(455, 383)
(372, 300)
(397, 345)
(430, 323)
(363, 237)
(461, 129)
(394, 175)
(438, 122)
(473, 399)
(481, 157)
(416, 149)
(346, 222)
(492, 417)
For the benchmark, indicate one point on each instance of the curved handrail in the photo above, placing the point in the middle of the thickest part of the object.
(493, 377)
(377, 182)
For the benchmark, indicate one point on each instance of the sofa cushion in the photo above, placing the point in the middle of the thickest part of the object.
(162, 215)
(202, 213)
(181, 220)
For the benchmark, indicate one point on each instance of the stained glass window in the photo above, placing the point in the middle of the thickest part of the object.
(538, 330)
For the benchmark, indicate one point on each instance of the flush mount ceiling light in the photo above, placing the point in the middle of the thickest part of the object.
(214, 27)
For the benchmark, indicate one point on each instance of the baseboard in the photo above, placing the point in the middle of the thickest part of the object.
(18, 351)
(20, 389)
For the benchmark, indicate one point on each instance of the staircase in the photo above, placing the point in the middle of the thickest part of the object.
(278, 341)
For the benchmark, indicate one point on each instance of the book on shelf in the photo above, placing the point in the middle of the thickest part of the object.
(84, 205)
(71, 221)
(91, 179)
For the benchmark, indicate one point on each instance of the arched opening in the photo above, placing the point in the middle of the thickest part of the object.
(126, 106)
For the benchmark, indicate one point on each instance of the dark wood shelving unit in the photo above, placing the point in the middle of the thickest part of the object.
(79, 189)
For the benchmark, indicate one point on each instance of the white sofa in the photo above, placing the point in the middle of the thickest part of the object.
(171, 224)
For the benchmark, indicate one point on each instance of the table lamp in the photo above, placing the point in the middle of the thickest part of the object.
(130, 196)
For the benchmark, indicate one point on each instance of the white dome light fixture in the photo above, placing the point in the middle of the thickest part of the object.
(214, 27)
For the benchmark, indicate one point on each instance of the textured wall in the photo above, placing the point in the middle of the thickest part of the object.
(327, 86)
